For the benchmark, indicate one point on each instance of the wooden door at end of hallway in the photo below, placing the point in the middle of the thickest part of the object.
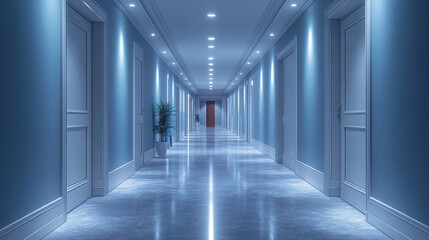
(210, 114)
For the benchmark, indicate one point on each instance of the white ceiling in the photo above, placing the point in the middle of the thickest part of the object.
(233, 26)
(240, 28)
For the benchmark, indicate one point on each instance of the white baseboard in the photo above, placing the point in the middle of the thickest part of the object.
(394, 223)
(37, 224)
(121, 174)
(271, 152)
(149, 155)
(334, 192)
(139, 161)
(309, 174)
(98, 191)
(288, 162)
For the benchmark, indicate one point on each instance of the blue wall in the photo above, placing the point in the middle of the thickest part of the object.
(400, 106)
(30, 101)
(121, 36)
(30, 94)
(218, 113)
(309, 31)
(203, 113)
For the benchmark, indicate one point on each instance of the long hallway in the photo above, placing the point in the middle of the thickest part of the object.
(215, 186)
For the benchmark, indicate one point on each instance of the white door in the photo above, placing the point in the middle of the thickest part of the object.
(138, 103)
(353, 110)
(78, 109)
(177, 111)
(289, 111)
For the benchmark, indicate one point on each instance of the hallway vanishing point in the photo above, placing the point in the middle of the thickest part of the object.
(215, 186)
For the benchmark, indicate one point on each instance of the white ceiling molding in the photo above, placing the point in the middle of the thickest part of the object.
(279, 25)
(267, 18)
(90, 9)
(205, 92)
(156, 18)
(145, 26)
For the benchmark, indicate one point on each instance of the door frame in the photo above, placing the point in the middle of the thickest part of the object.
(336, 11)
(98, 18)
(137, 53)
(289, 48)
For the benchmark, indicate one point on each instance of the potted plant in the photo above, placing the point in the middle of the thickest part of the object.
(197, 119)
(164, 113)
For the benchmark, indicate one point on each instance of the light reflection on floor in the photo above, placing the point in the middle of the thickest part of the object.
(215, 186)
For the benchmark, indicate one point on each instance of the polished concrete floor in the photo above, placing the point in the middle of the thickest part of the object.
(215, 186)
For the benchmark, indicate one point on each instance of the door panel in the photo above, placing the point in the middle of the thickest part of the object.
(77, 154)
(289, 111)
(138, 74)
(78, 109)
(353, 112)
(210, 118)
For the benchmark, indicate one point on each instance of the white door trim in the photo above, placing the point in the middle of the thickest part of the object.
(98, 18)
(137, 53)
(333, 14)
(291, 47)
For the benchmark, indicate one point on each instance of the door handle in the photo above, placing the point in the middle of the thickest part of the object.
(339, 107)
(339, 111)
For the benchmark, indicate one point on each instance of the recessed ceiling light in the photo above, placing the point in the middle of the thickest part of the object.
(271, 34)
(173, 63)
(211, 69)
(211, 46)
(211, 74)
(211, 58)
(189, 83)
(258, 51)
(210, 78)
(251, 82)
(132, 5)
(186, 78)
(293, 5)
(211, 82)
(211, 89)
(210, 64)
(236, 78)
(164, 52)
(248, 63)
(152, 34)
(211, 15)
(211, 86)
(211, 38)
(181, 73)
(241, 73)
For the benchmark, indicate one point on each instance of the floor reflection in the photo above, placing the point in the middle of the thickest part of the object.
(215, 186)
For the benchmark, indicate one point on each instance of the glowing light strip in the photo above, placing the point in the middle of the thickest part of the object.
(211, 222)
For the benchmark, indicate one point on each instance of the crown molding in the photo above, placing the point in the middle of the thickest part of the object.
(155, 15)
(266, 20)
(150, 41)
(249, 51)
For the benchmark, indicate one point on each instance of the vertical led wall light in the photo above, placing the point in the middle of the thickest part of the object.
(168, 78)
(261, 103)
(156, 95)
(188, 113)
